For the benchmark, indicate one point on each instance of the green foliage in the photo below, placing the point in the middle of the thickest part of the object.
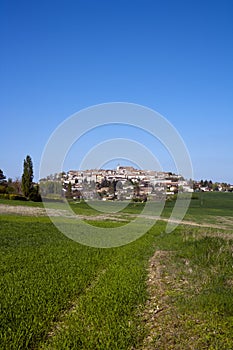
(69, 191)
(2, 176)
(10, 189)
(2, 189)
(141, 199)
(4, 195)
(27, 176)
(17, 197)
(34, 194)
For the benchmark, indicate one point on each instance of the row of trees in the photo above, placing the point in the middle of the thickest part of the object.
(24, 187)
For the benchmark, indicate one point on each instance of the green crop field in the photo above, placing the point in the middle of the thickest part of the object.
(162, 291)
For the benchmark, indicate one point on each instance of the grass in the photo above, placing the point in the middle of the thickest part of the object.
(41, 272)
(203, 204)
(44, 274)
(24, 203)
(197, 280)
(58, 294)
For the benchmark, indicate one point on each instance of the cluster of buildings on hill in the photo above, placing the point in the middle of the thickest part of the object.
(124, 182)
(209, 186)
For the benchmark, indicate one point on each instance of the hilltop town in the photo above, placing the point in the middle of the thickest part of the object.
(122, 183)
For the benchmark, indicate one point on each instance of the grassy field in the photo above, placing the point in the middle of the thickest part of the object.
(58, 294)
(46, 277)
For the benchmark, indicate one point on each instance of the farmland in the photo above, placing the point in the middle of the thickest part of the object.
(162, 291)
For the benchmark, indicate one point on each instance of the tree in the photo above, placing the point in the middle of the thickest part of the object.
(105, 182)
(69, 191)
(17, 185)
(3, 182)
(205, 183)
(2, 176)
(27, 176)
(136, 188)
(34, 194)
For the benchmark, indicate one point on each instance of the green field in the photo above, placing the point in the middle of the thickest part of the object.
(58, 294)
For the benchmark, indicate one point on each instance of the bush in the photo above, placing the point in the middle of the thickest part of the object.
(4, 196)
(35, 197)
(17, 197)
(2, 189)
(34, 194)
(137, 199)
(10, 189)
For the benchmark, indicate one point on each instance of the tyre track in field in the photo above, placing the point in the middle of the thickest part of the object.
(73, 305)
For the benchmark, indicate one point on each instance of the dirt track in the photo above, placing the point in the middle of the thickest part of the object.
(37, 211)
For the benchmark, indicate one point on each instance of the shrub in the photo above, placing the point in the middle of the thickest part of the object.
(34, 194)
(17, 197)
(137, 199)
(35, 197)
(4, 196)
(2, 189)
(10, 189)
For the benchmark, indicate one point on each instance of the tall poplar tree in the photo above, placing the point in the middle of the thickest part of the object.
(27, 176)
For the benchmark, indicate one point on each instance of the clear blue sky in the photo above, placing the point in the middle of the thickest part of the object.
(176, 57)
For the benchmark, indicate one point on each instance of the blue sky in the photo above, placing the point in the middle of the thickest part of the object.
(176, 57)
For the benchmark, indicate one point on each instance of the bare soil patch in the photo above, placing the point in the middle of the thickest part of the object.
(225, 223)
